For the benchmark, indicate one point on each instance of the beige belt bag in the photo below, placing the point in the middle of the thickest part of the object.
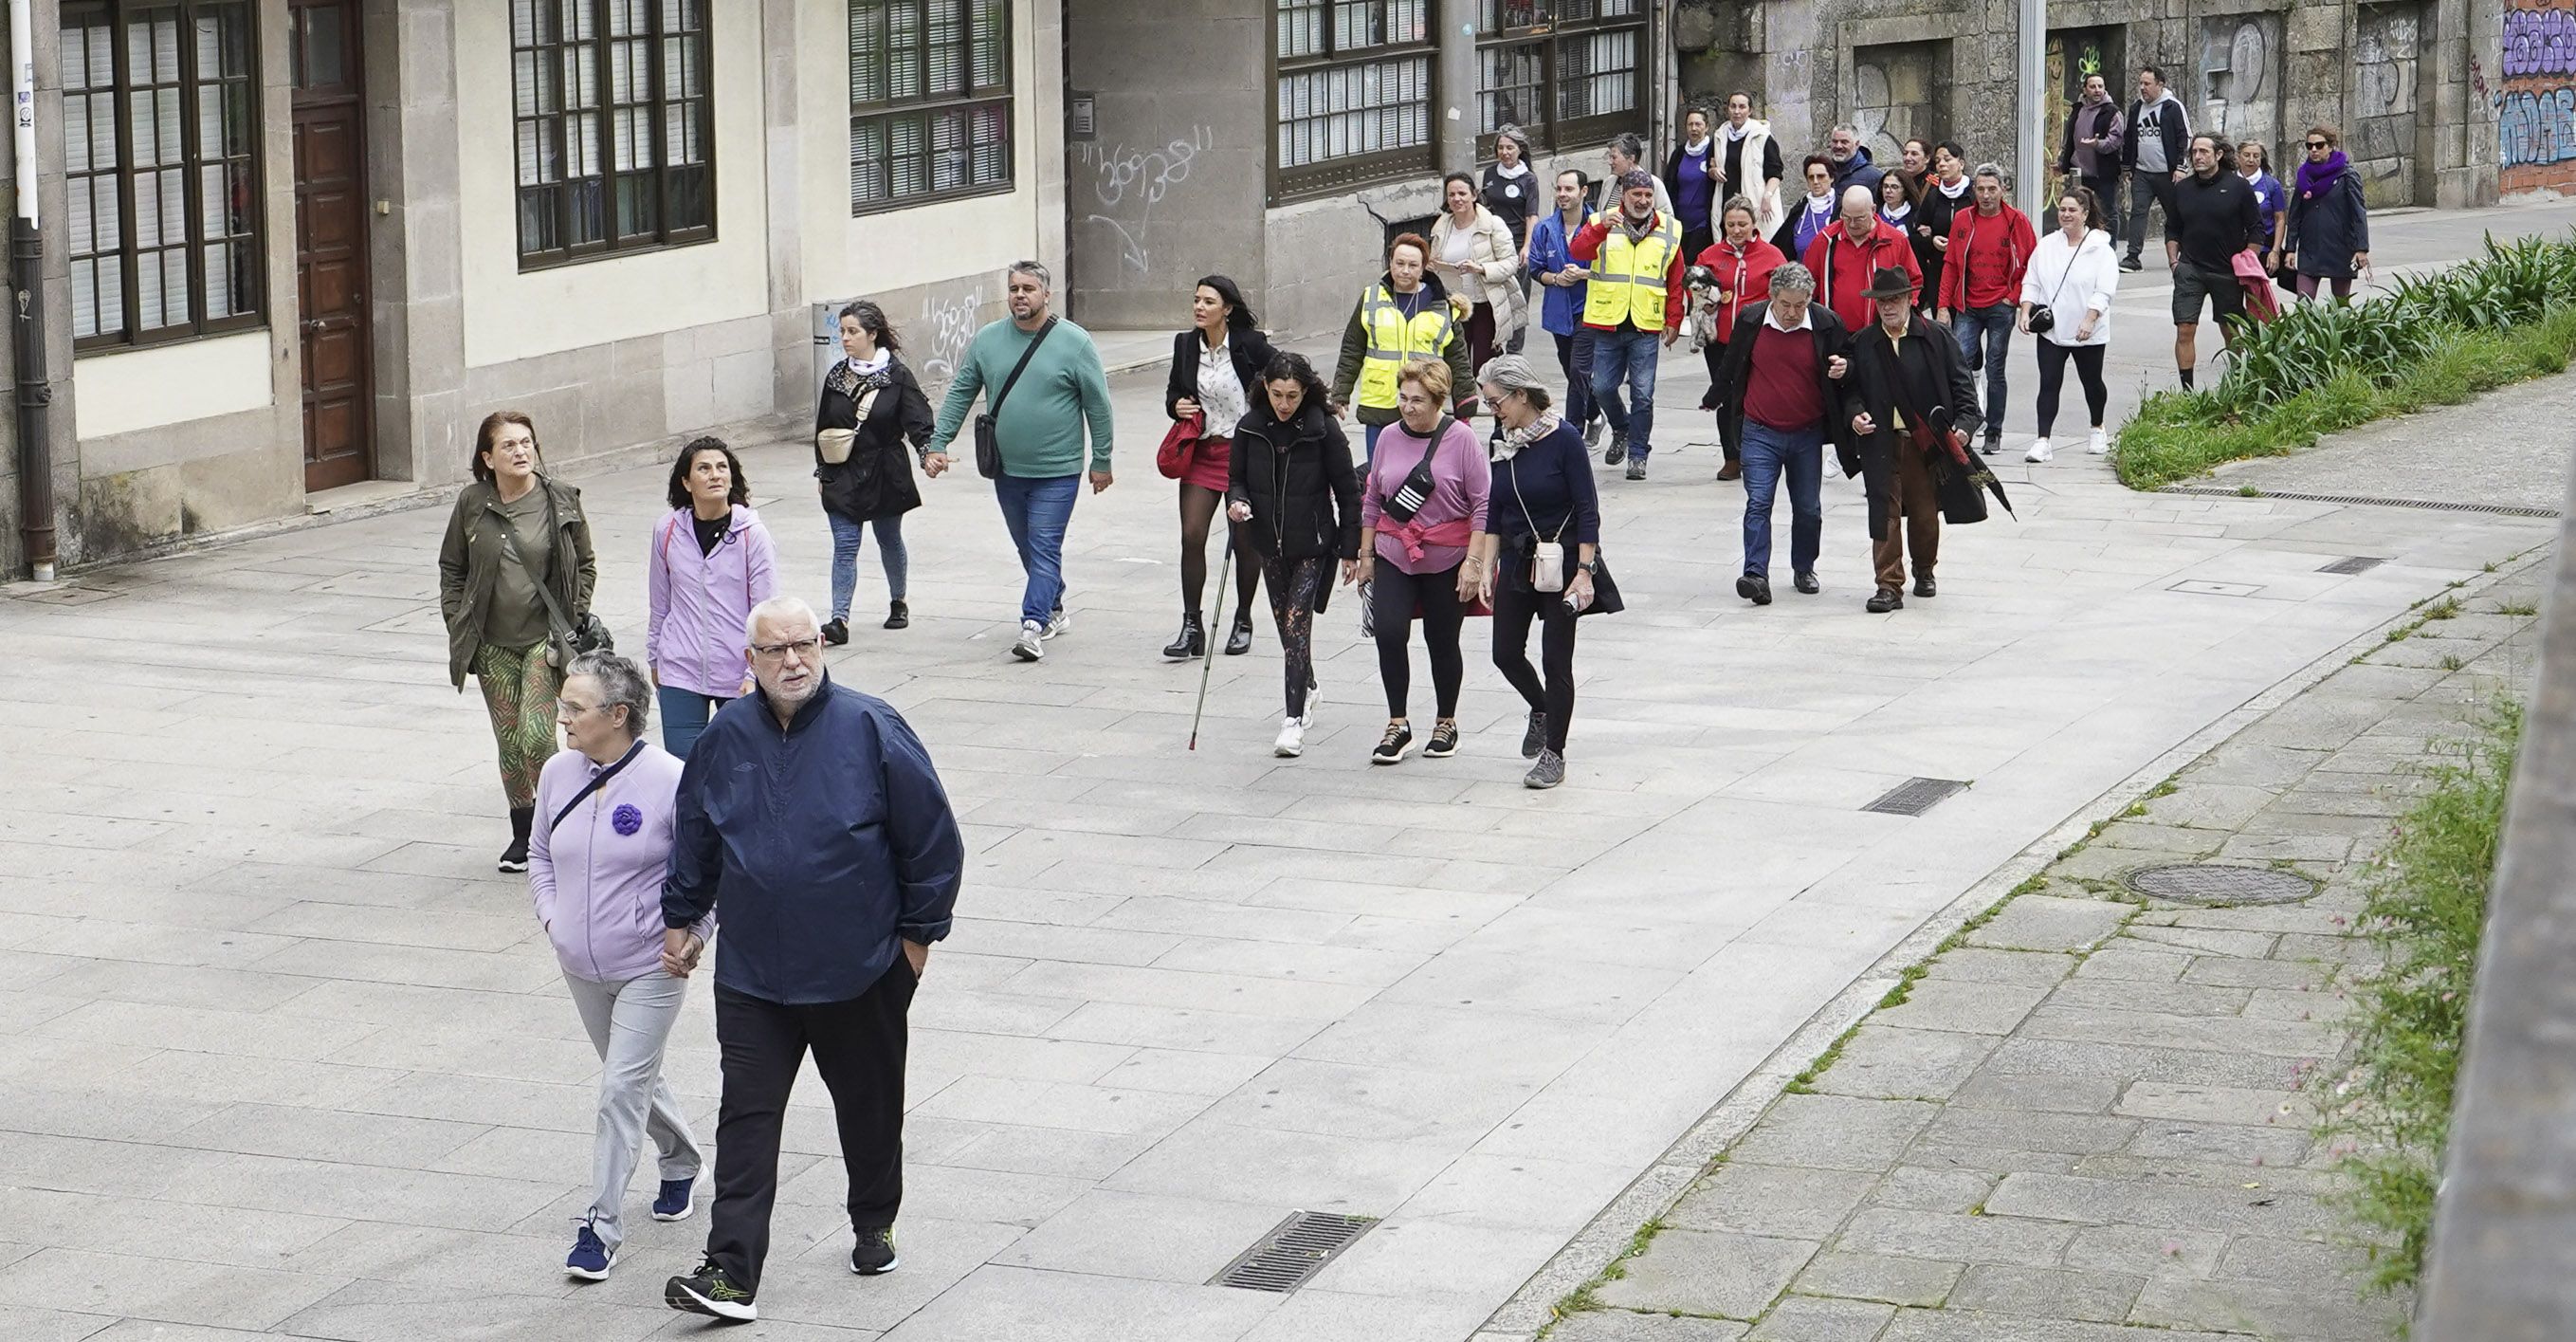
(834, 444)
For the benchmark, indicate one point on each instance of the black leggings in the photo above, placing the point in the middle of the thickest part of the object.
(1294, 584)
(1730, 431)
(1514, 605)
(2052, 376)
(1393, 597)
(1198, 513)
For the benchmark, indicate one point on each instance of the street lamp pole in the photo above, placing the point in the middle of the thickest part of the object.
(2033, 96)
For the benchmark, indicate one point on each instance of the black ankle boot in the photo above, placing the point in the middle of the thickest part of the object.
(1190, 642)
(1239, 641)
(899, 615)
(515, 857)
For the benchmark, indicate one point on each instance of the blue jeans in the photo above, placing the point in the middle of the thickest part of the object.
(1627, 356)
(1995, 324)
(684, 716)
(1574, 355)
(1037, 512)
(1770, 453)
(1368, 447)
(846, 535)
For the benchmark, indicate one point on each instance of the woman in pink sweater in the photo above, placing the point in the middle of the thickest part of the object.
(1424, 499)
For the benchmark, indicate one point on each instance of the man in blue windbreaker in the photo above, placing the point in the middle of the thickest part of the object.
(1561, 308)
(815, 812)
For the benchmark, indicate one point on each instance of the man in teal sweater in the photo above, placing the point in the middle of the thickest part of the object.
(1040, 428)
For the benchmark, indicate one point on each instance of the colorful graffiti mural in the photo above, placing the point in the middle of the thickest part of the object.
(2536, 109)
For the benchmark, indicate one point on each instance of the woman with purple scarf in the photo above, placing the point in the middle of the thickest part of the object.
(2328, 241)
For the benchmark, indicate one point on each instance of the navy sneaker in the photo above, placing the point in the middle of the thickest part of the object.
(874, 1253)
(590, 1259)
(672, 1204)
(710, 1292)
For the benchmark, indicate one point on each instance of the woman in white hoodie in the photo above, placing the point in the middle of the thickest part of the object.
(2071, 278)
(1473, 254)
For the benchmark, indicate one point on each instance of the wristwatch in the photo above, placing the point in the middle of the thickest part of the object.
(1590, 566)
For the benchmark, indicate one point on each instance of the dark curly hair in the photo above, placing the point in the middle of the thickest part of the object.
(679, 490)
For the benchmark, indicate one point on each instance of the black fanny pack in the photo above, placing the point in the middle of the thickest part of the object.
(1409, 497)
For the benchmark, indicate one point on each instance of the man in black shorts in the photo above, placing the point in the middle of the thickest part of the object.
(2215, 217)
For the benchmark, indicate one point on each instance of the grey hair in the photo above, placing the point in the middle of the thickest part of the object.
(1626, 142)
(1994, 170)
(1517, 136)
(780, 608)
(1036, 270)
(1844, 128)
(1791, 275)
(621, 685)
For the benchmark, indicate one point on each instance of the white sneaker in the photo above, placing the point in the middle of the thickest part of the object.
(2097, 444)
(1028, 649)
(1057, 623)
(2039, 450)
(1292, 737)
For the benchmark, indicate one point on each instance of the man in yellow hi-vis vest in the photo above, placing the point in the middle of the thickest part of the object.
(1633, 309)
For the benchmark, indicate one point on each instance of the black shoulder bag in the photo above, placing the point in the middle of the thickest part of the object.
(988, 442)
(1409, 497)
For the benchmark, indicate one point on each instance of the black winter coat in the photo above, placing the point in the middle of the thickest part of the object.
(1298, 477)
(877, 479)
(1736, 372)
(2326, 231)
(1246, 348)
(1930, 364)
(1937, 212)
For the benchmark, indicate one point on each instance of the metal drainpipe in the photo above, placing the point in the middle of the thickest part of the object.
(27, 292)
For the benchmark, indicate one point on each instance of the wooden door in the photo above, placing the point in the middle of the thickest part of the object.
(331, 242)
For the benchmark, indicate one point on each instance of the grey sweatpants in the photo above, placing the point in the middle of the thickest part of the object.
(629, 1023)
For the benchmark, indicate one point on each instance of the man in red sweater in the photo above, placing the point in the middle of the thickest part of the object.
(1843, 258)
(1989, 251)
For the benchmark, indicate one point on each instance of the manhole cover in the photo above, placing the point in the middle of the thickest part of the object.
(2215, 883)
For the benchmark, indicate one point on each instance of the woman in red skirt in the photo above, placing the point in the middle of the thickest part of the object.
(1216, 371)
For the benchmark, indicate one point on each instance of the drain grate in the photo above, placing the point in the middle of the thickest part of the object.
(2215, 883)
(1914, 796)
(1293, 1252)
(2496, 509)
(2355, 564)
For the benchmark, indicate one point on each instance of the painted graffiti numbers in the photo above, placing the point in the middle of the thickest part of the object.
(1129, 182)
(2536, 109)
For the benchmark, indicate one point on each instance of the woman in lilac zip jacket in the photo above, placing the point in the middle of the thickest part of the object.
(712, 561)
(596, 857)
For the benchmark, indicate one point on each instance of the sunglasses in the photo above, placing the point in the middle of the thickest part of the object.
(2319, 144)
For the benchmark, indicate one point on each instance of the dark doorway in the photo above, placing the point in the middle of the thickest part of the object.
(331, 241)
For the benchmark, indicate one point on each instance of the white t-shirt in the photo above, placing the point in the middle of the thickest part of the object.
(1460, 246)
(1221, 396)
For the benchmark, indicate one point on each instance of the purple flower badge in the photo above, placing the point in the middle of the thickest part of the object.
(626, 819)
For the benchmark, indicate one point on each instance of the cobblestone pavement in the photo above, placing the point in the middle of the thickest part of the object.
(2082, 1121)
(279, 1052)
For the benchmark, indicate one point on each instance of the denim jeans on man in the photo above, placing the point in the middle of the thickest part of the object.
(1574, 356)
(1769, 454)
(1036, 511)
(1985, 341)
(846, 535)
(1627, 355)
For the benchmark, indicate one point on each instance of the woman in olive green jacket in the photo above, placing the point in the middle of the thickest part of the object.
(510, 526)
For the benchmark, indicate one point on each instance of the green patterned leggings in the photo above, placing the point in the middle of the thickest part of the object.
(519, 689)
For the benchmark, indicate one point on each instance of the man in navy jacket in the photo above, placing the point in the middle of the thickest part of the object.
(815, 812)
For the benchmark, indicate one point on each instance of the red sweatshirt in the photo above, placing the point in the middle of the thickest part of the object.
(1987, 257)
(1842, 268)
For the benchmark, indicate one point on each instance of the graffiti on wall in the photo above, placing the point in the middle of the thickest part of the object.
(948, 322)
(2382, 143)
(2240, 64)
(1128, 181)
(2536, 110)
(1895, 97)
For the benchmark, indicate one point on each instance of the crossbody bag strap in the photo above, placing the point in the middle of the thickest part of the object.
(545, 592)
(597, 781)
(1022, 366)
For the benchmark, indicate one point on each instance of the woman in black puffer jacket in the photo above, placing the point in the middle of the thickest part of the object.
(1292, 481)
(871, 403)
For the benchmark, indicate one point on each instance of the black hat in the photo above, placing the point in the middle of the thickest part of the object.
(1888, 282)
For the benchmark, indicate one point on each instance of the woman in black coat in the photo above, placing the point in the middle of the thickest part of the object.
(1216, 375)
(2328, 242)
(1295, 501)
(871, 402)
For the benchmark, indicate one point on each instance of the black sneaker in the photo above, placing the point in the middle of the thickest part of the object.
(710, 1292)
(1444, 741)
(898, 615)
(515, 857)
(1547, 773)
(2132, 264)
(1394, 746)
(1534, 740)
(1755, 588)
(1617, 451)
(875, 1252)
(836, 631)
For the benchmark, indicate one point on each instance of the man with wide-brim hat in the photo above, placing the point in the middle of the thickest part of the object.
(1909, 412)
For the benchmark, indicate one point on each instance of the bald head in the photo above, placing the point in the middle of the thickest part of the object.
(1860, 211)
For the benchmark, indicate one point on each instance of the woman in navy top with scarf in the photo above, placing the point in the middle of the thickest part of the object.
(1542, 494)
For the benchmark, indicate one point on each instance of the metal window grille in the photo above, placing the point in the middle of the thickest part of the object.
(161, 164)
(1355, 84)
(1567, 72)
(613, 127)
(931, 106)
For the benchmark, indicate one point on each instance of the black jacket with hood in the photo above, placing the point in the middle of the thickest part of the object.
(1298, 477)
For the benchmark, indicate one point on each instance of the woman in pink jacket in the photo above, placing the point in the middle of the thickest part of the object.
(595, 863)
(712, 561)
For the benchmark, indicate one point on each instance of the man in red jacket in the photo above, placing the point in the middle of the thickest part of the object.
(1843, 257)
(1989, 250)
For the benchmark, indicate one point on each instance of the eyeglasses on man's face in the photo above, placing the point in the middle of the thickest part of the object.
(803, 649)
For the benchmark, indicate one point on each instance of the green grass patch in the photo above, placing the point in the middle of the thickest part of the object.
(2517, 608)
(2386, 1118)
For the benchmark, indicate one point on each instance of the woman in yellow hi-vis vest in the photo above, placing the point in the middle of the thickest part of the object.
(1633, 308)
(1406, 315)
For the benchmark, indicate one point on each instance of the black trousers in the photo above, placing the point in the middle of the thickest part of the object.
(1730, 432)
(2052, 380)
(858, 1049)
(1516, 603)
(1394, 594)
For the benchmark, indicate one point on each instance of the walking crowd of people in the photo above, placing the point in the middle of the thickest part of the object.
(1859, 312)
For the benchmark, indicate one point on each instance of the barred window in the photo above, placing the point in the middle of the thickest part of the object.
(1354, 93)
(1571, 73)
(930, 101)
(616, 146)
(161, 161)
